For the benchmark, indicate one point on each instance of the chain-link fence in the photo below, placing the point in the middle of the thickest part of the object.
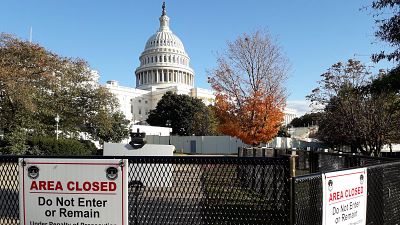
(9, 189)
(232, 190)
(383, 199)
(309, 162)
(188, 190)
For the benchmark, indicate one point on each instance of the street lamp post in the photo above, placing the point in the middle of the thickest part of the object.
(168, 124)
(57, 119)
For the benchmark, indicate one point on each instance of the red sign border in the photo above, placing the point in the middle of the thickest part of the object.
(72, 163)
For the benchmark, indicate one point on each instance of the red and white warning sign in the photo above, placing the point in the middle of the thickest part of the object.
(345, 197)
(73, 192)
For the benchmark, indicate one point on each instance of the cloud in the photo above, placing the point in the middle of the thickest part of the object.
(301, 106)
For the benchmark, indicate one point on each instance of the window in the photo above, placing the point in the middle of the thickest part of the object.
(140, 101)
(140, 111)
(145, 102)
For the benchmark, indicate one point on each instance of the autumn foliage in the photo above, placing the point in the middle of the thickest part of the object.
(257, 121)
(249, 85)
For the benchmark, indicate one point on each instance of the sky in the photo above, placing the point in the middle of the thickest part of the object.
(111, 35)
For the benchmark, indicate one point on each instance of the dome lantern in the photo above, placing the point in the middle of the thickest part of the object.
(164, 20)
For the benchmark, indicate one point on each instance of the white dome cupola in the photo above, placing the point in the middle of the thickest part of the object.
(164, 62)
(164, 20)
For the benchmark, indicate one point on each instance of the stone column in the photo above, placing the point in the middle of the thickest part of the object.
(175, 76)
(157, 76)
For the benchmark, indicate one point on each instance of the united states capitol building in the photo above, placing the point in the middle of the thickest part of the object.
(164, 66)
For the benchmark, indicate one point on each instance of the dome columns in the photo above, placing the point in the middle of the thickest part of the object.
(162, 76)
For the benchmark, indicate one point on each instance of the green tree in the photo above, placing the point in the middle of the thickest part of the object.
(355, 115)
(36, 85)
(389, 82)
(306, 120)
(283, 132)
(184, 114)
(387, 17)
(109, 127)
(205, 122)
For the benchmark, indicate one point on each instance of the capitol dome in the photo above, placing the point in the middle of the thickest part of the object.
(164, 62)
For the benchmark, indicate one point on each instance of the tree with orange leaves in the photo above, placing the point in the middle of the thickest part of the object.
(250, 95)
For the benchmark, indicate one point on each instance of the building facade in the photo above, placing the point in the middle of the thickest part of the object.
(164, 66)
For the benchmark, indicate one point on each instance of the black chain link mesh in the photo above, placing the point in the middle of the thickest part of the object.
(308, 162)
(9, 186)
(204, 190)
(232, 190)
(383, 204)
(308, 200)
(188, 190)
(383, 201)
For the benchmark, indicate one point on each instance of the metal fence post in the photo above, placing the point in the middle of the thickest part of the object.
(313, 161)
(293, 157)
(292, 162)
(292, 201)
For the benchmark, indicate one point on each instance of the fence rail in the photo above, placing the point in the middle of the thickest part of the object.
(188, 190)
